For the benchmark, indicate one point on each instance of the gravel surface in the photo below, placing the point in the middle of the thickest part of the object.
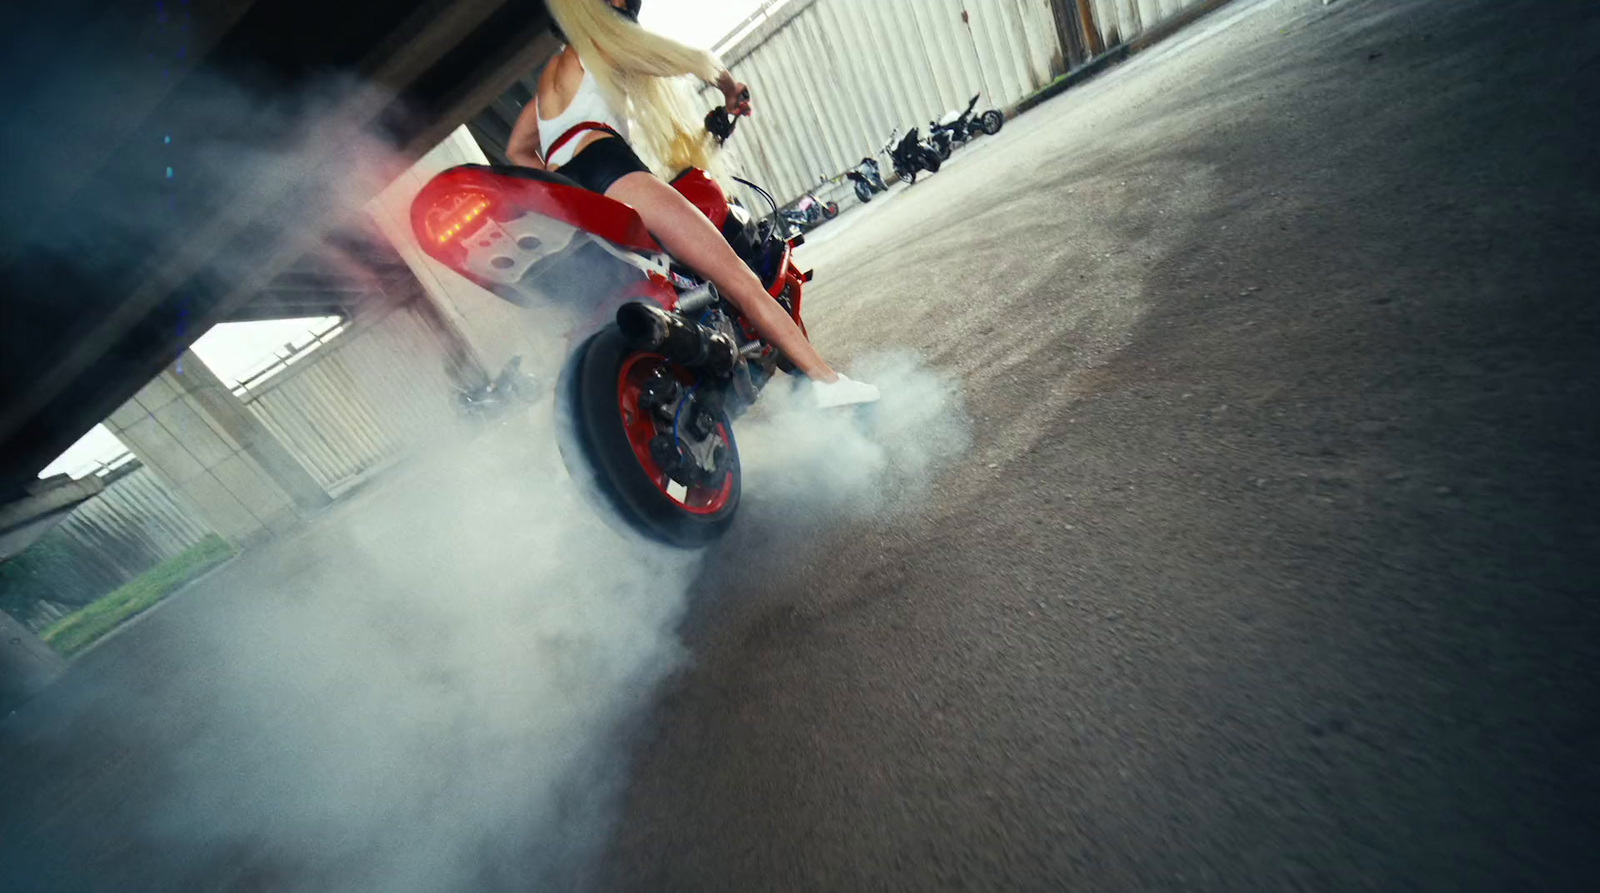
(1273, 564)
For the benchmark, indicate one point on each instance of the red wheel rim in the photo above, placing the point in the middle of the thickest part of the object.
(641, 429)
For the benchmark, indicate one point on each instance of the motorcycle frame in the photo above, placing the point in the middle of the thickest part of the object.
(510, 192)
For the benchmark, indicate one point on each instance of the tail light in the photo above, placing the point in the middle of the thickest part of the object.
(453, 216)
(461, 206)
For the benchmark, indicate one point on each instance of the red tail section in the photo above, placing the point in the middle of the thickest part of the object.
(456, 204)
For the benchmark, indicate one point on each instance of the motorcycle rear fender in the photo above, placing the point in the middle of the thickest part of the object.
(457, 203)
(523, 202)
(523, 233)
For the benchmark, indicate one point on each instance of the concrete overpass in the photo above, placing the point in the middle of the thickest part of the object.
(174, 165)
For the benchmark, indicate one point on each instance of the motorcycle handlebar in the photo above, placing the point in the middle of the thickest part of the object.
(720, 123)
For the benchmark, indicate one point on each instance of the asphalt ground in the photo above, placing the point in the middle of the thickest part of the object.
(1271, 565)
(1274, 563)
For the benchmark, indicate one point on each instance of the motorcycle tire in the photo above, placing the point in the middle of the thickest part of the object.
(863, 192)
(830, 210)
(907, 177)
(931, 161)
(944, 150)
(993, 120)
(635, 492)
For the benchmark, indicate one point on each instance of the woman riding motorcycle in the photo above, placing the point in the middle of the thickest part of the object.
(610, 71)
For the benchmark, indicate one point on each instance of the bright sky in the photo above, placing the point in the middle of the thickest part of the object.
(234, 351)
(84, 457)
(695, 22)
(237, 350)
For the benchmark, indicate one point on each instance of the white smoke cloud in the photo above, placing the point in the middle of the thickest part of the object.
(431, 687)
(832, 466)
(439, 690)
(440, 696)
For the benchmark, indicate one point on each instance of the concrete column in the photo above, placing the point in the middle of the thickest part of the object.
(26, 664)
(190, 428)
(490, 330)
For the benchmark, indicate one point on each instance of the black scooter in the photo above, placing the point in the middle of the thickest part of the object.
(912, 156)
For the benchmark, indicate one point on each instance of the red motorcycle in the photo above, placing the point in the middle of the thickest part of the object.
(662, 364)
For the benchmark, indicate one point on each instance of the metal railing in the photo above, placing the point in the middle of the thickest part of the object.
(291, 354)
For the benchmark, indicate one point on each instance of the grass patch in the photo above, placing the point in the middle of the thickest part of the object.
(82, 628)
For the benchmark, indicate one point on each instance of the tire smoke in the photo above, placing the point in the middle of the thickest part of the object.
(439, 695)
(431, 687)
(850, 464)
(433, 693)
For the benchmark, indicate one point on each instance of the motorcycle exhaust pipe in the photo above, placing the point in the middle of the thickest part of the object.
(647, 327)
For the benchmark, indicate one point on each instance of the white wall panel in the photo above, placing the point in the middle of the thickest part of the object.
(832, 78)
(361, 400)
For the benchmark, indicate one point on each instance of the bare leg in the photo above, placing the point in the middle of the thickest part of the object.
(689, 236)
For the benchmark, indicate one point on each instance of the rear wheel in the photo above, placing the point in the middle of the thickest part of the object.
(831, 210)
(993, 120)
(627, 444)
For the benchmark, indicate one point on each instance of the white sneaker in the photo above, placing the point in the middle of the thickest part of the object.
(844, 392)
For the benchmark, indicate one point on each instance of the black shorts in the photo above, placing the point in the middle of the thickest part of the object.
(601, 163)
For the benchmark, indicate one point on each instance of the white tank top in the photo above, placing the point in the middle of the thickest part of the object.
(588, 104)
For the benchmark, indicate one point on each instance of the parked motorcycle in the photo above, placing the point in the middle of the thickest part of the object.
(512, 387)
(957, 127)
(868, 179)
(808, 212)
(989, 122)
(950, 132)
(662, 364)
(911, 156)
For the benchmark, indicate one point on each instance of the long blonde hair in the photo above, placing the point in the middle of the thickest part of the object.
(638, 71)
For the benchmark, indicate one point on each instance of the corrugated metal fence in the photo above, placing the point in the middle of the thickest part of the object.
(348, 407)
(135, 523)
(359, 400)
(832, 78)
(1121, 20)
(132, 525)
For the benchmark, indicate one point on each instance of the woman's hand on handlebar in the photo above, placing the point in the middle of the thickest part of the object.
(736, 94)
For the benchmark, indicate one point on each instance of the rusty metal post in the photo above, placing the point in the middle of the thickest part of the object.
(1069, 35)
(1091, 31)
